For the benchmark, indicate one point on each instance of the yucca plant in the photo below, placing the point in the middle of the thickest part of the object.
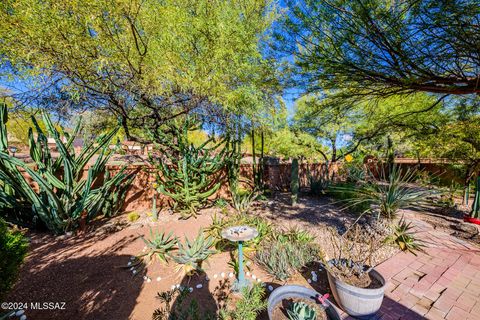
(404, 237)
(301, 311)
(192, 254)
(392, 192)
(65, 197)
(160, 245)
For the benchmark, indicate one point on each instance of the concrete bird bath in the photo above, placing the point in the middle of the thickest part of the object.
(240, 234)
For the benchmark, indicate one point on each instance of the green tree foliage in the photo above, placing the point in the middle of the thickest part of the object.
(13, 249)
(145, 61)
(381, 48)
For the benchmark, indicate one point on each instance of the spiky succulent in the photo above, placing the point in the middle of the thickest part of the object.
(301, 311)
(404, 236)
(160, 245)
(192, 254)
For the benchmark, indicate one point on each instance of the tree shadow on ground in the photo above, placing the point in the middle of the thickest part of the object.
(310, 209)
(193, 300)
(92, 287)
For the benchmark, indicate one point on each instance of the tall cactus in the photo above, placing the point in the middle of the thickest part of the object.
(64, 197)
(476, 202)
(188, 176)
(294, 184)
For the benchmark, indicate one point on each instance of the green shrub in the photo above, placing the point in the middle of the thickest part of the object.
(282, 258)
(249, 306)
(13, 249)
(133, 216)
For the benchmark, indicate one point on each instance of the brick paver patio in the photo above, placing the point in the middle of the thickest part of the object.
(441, 283)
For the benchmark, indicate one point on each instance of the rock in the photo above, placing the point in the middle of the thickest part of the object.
(309, 280)
(248, 274)
(19, 313)
(215, 276)
(270, 288)
(178, 286)
(24, 317)
(134, 271)
(223, 274)
(230, 275)
(132, 258)
(207, 278)
(254, 277)
(132, 268)
(173, 287)
(159, 278)
(145, 278)
(190, 289)
(129, 263)
(258, 280)
(199, 286)
(468, 228)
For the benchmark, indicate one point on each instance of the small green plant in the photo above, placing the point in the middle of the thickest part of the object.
(242, 201)
(133, 216)
(221, 203)
(301, 311)
(177, 307)
(294, 234)
(404, 237)
(249, 306)
(160, 245)
(192, 254)
(281, 259)
(13, 249)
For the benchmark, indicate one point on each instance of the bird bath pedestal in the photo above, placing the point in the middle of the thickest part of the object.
(240, 234)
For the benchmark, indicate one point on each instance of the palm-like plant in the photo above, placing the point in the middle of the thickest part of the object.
(192, 254)
(160, 245)
(390, 193)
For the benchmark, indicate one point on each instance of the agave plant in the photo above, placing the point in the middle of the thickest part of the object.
(301, 311)
(65, 198)
(404, 237)
(390, 193)
(160, 245)
(192, 254)
(243, 200)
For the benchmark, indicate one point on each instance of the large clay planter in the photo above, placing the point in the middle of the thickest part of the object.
(360, 303)
(299, 292)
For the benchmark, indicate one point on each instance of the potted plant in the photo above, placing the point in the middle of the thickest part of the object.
(292, 302)
(357, 287)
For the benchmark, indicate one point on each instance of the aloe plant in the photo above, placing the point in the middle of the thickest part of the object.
(160, 245)
(301, 311)
(192, 254)
(188, 177)
(64, 197)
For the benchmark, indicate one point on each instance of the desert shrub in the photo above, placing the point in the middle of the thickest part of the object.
(249, 306)
(282, 258)
(13, 249)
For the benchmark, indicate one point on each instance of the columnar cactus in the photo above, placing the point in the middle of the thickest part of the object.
(294, 184)
(476, 203)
